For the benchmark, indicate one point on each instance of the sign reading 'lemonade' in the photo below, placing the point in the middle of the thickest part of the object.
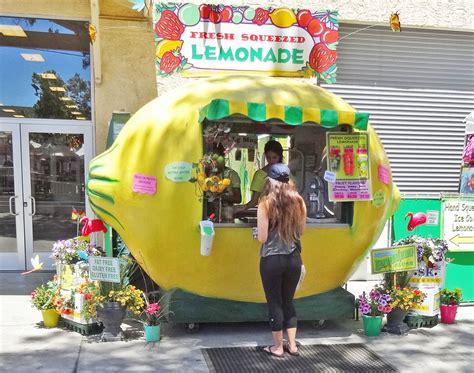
(202, 40)
(394, 259)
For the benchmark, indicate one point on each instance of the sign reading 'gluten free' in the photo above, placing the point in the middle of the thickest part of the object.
(104, 269)
(202, 40)
(394, 259)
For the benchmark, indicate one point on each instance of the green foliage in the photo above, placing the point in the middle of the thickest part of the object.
(45, 297)
(451, 298)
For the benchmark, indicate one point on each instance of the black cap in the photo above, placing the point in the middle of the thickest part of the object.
(280, 172)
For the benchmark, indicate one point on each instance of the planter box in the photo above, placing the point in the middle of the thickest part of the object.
(430, 306)
(419, 321)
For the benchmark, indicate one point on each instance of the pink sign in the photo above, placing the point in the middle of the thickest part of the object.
(144, 184)
(351, 190)
(384, 174)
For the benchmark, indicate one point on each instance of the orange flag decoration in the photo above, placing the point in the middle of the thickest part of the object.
(395, 22)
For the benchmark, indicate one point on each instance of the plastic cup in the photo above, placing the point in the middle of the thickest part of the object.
(207, 236)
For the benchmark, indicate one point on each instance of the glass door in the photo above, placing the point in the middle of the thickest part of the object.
(54, 161)
(12, 249)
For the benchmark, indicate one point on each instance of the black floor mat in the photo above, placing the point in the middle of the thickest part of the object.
(353, 357)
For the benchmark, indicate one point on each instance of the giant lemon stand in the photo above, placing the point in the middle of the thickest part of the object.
(161, 229)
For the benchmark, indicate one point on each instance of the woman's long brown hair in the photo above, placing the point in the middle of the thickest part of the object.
(286, 209)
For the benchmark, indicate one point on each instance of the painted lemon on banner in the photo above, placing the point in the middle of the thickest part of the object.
(283, 17)
(161, 229)
(167, 45)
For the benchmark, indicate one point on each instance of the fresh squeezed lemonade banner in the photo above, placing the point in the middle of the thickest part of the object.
(201, 40)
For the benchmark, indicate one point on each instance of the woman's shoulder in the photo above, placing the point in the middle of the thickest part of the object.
(261, 173)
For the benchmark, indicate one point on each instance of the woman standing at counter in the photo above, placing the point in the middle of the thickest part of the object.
(273, 155)
(281, 217)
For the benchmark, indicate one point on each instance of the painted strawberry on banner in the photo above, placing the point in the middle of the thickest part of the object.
(261, 16)
(321, 57)
(169, 62)
(168, 26)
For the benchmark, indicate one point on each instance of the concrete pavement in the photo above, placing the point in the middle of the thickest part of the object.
(25, 346)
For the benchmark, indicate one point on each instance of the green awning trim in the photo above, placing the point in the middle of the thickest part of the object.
(291, 115)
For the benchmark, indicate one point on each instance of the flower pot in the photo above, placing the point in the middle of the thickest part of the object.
(50, 318)
(395, 324)
(448, 313)
(372, 325)
(111, 315)
(152, 333)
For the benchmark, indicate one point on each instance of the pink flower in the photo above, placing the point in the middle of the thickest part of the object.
(152, 308)
(387, 309)
(380, 308)
(33, 294)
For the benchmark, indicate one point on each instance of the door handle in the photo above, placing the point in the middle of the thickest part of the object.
(33, 206)
(10, 204)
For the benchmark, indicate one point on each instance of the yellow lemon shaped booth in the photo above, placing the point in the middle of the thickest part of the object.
(162, 229)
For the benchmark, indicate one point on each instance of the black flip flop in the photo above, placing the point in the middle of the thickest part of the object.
(270, 352)
(287, 349)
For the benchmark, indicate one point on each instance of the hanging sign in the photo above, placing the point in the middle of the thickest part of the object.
(104, 269)
(458, 223)
(350, 161)
(394, 259)
(208, 39)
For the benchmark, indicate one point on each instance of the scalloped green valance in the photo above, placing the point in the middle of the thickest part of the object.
(292, 115)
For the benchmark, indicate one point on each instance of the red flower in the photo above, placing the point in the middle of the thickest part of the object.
(33, 294)
(68, 311)
(87, 296)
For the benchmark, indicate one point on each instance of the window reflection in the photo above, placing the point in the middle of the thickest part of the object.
(44, 69)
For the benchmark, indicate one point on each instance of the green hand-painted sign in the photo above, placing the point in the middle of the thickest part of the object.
(394, 259)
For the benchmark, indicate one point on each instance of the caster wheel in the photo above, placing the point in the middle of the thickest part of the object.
(319, 324)
(192, 327)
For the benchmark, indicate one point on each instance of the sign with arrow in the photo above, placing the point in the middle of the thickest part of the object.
(458, 223)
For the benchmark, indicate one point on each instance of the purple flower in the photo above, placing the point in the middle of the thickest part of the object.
(374, 294)
(382, 302)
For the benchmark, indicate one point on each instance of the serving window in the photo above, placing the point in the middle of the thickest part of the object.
(234, 152)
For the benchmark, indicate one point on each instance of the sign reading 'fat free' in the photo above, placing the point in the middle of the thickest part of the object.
(207, 39)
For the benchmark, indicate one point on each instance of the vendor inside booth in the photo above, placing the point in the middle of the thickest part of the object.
(236, 145)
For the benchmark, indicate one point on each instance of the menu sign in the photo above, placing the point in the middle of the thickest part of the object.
(348, 157)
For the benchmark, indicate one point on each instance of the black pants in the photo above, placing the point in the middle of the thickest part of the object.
(280, 275)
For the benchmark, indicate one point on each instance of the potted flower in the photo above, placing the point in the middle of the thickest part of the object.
(109, 302)
(155, 313)
(69, 253)
(431, 255)
(45, 299)
(449, 304)
(402, 300)
(373, 307)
